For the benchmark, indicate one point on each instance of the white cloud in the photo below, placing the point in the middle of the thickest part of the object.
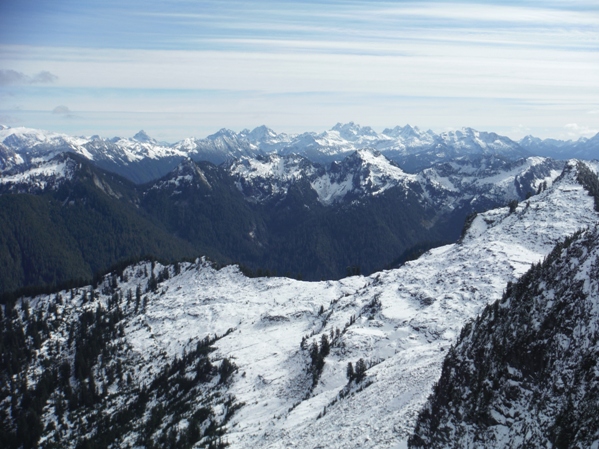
(575, 131)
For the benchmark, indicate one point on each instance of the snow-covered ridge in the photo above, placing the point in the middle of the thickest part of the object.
(369, 173)
(141, 158)
(537, 348)
(186, 173)
(41, 175)
(365, 172)
(33, 145)
(401, 322)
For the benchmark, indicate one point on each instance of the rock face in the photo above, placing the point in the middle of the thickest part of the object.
(526, 372)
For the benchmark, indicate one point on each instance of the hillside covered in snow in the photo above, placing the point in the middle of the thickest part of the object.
(524, 373)
(197, 355)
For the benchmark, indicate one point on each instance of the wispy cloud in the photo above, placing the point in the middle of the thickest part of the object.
(8, 77)
(434, 64)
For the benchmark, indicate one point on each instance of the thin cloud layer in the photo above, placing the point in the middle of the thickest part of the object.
(434, 64)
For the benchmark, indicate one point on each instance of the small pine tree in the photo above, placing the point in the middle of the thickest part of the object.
(360, 371)
(314, 352)
(225, 370)
(350, 372)
(325, 346)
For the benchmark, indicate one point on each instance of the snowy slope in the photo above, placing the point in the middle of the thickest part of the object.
(524, 373)
(483, 183)
(472, 141)
(364, 172)
(401, 322)
(263, 178)
(34, 145)
(489, 179)
(40, 176)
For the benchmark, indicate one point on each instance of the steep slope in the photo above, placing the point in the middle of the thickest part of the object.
(488, 182)
(467, 144)
(525, 374)
(403, 213)
(290, 342)
(200, 203)
(269, 178)
(41, 176)
(361, 212)
(65, 219)
(139, 159)
(362, 174)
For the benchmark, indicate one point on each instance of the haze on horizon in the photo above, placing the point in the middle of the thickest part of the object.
(179, 69)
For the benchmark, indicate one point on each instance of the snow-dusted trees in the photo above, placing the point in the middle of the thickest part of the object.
(358, 373)
(350, 372)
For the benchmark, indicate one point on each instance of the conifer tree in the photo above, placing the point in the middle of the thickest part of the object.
(350, 372)
(360, 371)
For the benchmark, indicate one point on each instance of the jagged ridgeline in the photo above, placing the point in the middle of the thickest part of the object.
(526, 372)
(68, 379)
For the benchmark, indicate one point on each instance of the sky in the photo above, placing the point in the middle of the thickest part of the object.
(184, 68)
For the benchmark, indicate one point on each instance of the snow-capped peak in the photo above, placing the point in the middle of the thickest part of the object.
(351, 131)
(261, 133)
(223, 133)
(142, 136)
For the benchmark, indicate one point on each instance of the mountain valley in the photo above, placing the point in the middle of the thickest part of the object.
(165, 313)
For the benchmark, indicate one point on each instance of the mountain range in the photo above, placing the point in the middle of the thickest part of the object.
(195, 355)
(142, 159)
(349, 289)
(65, 218)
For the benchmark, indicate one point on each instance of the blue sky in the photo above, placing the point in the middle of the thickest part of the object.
(188, 68)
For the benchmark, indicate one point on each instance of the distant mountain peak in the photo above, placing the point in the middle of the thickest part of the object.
(223, 132)
(142, 136)
(352, 130)
(261, 133)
